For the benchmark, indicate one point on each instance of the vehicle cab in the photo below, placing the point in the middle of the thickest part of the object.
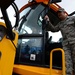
(35, 40)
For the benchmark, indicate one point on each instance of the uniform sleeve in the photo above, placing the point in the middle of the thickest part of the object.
(73, 17)
(53, 28)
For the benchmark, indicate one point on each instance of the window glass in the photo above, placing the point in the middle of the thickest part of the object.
(30, 50)
(30, 23)
(30, 43)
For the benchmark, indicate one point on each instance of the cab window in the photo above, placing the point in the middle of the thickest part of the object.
(30, 45)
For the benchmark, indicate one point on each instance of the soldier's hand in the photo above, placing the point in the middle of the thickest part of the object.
(46, 18)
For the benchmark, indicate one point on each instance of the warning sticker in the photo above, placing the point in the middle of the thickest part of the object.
(33, 57)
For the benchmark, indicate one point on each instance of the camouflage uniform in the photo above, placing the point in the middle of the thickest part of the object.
(67, 28)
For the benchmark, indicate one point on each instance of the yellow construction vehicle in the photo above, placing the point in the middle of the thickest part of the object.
(36, 53)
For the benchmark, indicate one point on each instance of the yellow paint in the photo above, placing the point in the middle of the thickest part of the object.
(8, 54)
(63, 60)
(32, 70)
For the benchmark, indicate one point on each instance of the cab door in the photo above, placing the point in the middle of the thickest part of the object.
(31, 37)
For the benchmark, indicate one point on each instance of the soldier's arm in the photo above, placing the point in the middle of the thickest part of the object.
(53, 28)
(73, 18)
(50, 26)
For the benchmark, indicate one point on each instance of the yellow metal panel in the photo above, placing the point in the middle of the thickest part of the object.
(32, 70)
(8, 51)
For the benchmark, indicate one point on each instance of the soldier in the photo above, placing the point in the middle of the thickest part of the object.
(67, 28)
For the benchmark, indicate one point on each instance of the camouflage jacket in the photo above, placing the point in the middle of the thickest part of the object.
(67, 28)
